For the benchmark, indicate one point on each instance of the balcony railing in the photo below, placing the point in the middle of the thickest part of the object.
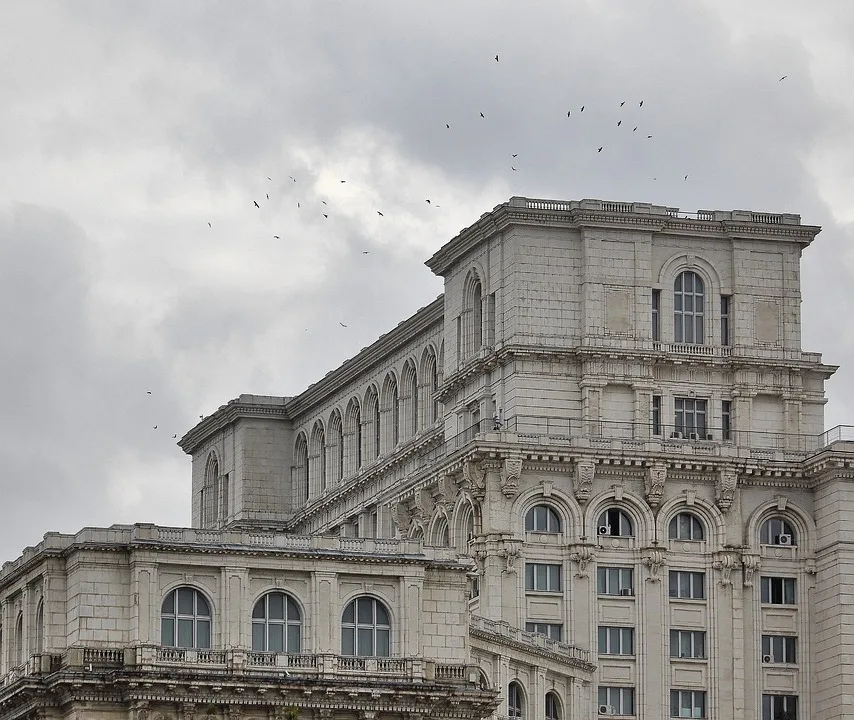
(501, 629)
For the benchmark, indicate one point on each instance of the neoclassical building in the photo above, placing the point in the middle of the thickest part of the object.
(591, 479)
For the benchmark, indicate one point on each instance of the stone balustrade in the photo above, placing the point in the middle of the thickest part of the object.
(502, 630)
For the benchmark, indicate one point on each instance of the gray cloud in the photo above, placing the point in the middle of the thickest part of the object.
(133, 125)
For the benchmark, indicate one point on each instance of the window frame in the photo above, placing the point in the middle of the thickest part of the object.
(696, 703)
(375, 628)
(777, 707)
(694, 318)
(605, 575)
(551, 516)
(656, 315)
(726, 419)
(788, 588)
(552, 706)
(783, 649)
(549, 630)
(553, 576)
(697, 409)
(177, 617)
(616, 639)
(695, 640)
(656, 415)
(696, 525)
(615, 516)
(775, 526)
(617, 697)
(287, 624)
(515, 700)
(696, 579)
(726, 320)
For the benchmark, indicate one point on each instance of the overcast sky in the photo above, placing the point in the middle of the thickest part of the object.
(126, 128)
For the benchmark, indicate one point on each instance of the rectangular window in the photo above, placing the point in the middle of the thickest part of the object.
(687, 585)
(779, 707)
(726, 420)
(616, 700)
(550, 630)
(656, 315)
(690, 418)
(725, 324)
(490, 319)
(616, 640)
(224, 494)
(474, 587)
(540, 577)
(656, 414)
(778, 591)
(687, 703)
(615, 581)
(374, 523)
(688, 644)
(779, 649)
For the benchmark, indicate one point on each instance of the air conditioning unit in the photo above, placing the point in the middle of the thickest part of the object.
(606, 710)
(626, 592)
(767, 659)
(676, 435)
(604, 530)
(693, 436)
(784, 539)
(709, 436)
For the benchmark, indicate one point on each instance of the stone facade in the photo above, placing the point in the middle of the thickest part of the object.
(605, 432)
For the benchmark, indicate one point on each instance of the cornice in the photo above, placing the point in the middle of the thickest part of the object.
(228, 414)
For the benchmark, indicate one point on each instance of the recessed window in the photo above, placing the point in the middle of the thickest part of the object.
(688, 644)
(276, 624)
(687, 585)
(185, 620)
(687, 703)
(779, 707)
(616, 700)
(615, 522)
(542, 518)
(777, 590)
(725, 320)
(515, 701)
(614, 581)
(552, 706)
(726, 420)
(690, 417)
(365, 629)
(553, 631)
(656, 414)
(616, 640)
(777, 531)
(688, 302)
(779, 649)
(686, 526)
(656, 315)
(542, 577)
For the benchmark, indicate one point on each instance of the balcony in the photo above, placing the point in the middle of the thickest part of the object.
(503, 632)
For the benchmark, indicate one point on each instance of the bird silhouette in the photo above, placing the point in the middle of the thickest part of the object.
(515, 155)
(782, 78)
(366, 252)
(209, 225)
(622, 103)
(600, 149)
(269, 178)
(619, 122)
(277, 237)
(568, 113)
(268, 195)
(341, 324)
(582, 108)
(174, 436)
(155, 427)
(447, 126)
(496, 58)
(640, 104)
(292, 178)
(634, 129)
(255, 203)
(685, 178)
(201, 417)
(323, 201)
(648, 137)
(512, 168)
(325, 215)
(481, 115)
(343, 181)
(427, 201)
(380, 214)
(148, 392)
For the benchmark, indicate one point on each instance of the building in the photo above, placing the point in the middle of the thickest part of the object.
(590, 479)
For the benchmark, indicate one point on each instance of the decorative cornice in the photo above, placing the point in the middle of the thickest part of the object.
(246, 406)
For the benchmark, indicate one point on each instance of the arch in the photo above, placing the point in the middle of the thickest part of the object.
(371, 424)
(568, 510)
(439, 534)
(18, 650)
(472, 316)
(465, 523)
(776, 530)
(800, 520)
(366, 628)
(317, 470)
(416, 531)
(409, 403)
(553, 706)
(429, 385)
(389, 414)
(299, 471)
(689, 308)
(543, 518)
(335, 448)
(186, 618)
(515, 700)
(276, 623)
(708, 513)
(39, 639)
(634, 506)
(712, 285)
(353, 437)
(210, 491)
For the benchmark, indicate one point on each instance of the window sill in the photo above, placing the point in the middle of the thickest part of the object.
(692, 601)
(543, 592)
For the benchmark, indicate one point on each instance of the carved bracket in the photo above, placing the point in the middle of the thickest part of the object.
(725, 486)
(510, 476)
(725, 562)
(583, 555)
(653, 558)
(654, 484)
(585, 471)
(751, 565)
(474, 479)
(402, 519)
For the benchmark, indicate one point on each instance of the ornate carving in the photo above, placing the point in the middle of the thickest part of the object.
(402, 519)
(810, 567)
(585, 471)
(653, 558)
(583, 555)
(510, 476)
(655, 480)
(447, 490)
(751, 565)
(424, 503)
(725, 488)
(510, 554)
(475, 478)
(726, 562)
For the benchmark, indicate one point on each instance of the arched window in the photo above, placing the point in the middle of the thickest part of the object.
(336, 447)
(300, 470)
(185, 620)
(317, 458)
(372, 424)
(353, 438)
(391, 414)
(777, 531)
(542, 518)
(552, 706)
(210, 495)
(615, 522)
(688, 301)
(686, 526)
(431, 372)
(276, 624)
(366, 629)
(515, 701)
(441, 534)
(409, 399)
(18, 655)
(472, 315)
(40, 627)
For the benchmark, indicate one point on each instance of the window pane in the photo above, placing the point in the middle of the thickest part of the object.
(169, 604)
(203, 634)
(185, 633)
(167, 632)
(348, 641)
(529, 576)
(258, 610)
(258, 637)
(185, 601)
(276, 606)
(529, 520)
(349, 613)
(366, 641)
(382, 615)
(383, 644)
(540, 580)
(366, 611)
(293, 610)
(276, 637)
(600, 580)
(202, 605)
(700, 644)
(294, 639)
(603, 640)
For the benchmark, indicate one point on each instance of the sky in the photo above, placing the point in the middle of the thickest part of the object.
(135, 139)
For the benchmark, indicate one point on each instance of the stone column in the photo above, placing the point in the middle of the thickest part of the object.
(324, 595)
(234, 582)
(4, 637)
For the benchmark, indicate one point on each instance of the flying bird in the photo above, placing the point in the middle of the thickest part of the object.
(568, 113)
(323, 201)
(619, 122)
(685, 178)
(512, 168)
(622, 103)
(155, 427)
(292, 178)
(269, 178)
(366, 252)
(427, 201)
(268, 195)
(174, 436)
(380, 214)
(782, 78)
(648, 137)
(209, 225)
(148, 392)
(582, 108)
(255, 202)
(297, 204)
(447, 126)
(482, 115)
(277, 237)
(496, 58)
(343, 181)
(325, 215)
(341, 324)
(640, 104)
(600, 149)
(515, 155)
(201, 417)
(634, 129)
